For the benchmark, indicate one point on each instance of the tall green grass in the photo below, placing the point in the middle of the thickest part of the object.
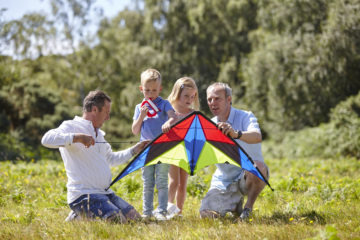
(313, 199)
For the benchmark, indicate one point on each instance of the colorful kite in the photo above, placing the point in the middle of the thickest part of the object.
(192, 144)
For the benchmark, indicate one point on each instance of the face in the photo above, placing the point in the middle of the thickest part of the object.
(101, 116)
(219, 104)
(187, 97)
(151, 89)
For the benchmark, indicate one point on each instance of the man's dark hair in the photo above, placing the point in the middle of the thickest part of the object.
(95, 98)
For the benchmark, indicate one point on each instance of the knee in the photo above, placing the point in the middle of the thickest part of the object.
(173, 182)
(254, 183)
(161, 184)
(148, 185)
(263, 169)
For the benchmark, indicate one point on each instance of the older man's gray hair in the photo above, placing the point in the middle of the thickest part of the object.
(225, 86)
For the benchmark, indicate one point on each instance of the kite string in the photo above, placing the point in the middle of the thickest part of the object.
(132, 142)
(137, 141)
(117, 142)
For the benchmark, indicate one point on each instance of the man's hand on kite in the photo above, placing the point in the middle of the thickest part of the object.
(139, 146)
(226, 129)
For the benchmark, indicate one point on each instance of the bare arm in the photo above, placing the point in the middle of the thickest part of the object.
(136, 126)
(247, 136)
(250, 137)
(171, 121)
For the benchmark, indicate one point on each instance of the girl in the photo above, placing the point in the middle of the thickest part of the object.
(184, 98)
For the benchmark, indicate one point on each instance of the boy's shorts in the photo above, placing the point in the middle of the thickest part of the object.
(100, 205)
(223, 201)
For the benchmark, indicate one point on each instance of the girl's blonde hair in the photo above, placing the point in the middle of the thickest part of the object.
(180, 84)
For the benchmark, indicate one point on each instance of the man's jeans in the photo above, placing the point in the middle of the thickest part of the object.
(155, 174)
(100, 205)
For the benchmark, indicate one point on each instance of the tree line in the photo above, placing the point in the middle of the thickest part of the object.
(289, 62)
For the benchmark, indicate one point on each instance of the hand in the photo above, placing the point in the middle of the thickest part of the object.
(139, 146)
(226, 129)
(85, 139)
(143, 111)
(166, 127)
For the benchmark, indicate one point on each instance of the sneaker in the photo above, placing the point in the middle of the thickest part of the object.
(160, 216)
(72, 216)
(146, 216)
(173, 210)
(246, 213)
(174, 215)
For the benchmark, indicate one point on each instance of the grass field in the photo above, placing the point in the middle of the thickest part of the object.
(313, 199)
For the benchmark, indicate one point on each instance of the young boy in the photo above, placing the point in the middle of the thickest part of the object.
(150, 126)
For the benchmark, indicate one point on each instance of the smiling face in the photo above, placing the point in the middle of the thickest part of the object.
(151, 89)
(187, 98)
(101, 116)
(218, 102)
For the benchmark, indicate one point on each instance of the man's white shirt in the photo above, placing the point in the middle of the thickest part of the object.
(87, 169)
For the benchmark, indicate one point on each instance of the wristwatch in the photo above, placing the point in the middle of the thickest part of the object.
(239, 134)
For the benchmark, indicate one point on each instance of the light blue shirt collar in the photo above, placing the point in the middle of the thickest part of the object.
(231, 118)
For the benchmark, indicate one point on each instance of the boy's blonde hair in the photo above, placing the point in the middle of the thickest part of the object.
(180, 84)
(150, 75)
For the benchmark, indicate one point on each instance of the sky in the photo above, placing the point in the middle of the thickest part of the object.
(15, 9)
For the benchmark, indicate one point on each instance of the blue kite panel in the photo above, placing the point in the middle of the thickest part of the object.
(194, 137)
(247, 165)
(138, 163)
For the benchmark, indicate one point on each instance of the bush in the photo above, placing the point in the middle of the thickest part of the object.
(339, 137)
(28, 111)
(304, 61)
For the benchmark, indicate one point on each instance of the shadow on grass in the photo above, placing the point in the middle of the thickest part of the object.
(310, 217)
(307, 217)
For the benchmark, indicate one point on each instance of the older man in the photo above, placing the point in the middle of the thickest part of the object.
(230, 183)
(87, 158)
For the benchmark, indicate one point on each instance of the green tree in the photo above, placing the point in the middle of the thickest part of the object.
(303, 61)
(204, 39)
(31, 110)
